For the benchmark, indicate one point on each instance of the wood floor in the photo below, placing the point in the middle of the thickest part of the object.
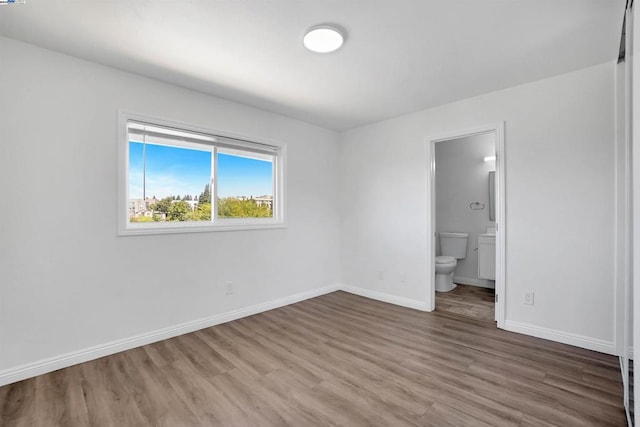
(338, 359)
(470, 301)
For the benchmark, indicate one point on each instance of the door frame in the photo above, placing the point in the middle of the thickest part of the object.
(501, 223)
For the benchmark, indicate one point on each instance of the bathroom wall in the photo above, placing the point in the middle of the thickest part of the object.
(462, 177)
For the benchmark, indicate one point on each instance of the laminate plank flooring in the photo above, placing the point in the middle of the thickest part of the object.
(338, 359)
(470, 301)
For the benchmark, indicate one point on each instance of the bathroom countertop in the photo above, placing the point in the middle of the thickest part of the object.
(487, 235)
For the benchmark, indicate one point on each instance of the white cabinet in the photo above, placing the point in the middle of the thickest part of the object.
(487, 256)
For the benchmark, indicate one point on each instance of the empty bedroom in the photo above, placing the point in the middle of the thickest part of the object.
(270, 213)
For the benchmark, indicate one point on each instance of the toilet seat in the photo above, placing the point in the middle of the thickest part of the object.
(445, 259)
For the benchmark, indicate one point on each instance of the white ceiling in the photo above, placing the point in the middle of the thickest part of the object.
(400, 55)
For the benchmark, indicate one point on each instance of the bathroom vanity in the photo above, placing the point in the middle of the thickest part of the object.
(487, 256)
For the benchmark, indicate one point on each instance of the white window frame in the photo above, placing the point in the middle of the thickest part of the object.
(215, 139)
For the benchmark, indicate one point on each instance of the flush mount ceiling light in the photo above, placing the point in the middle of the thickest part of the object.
(324, 38)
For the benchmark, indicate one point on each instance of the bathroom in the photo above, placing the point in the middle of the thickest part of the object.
(465, 225)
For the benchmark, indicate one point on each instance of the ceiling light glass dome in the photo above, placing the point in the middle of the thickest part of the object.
(324, 38)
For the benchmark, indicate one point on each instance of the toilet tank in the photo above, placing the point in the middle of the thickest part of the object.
(454, 244)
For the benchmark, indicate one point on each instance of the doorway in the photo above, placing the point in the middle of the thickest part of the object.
(490, 204)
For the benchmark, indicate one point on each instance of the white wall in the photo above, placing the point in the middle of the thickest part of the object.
(462, 178)
(67, 281)
(559, 143)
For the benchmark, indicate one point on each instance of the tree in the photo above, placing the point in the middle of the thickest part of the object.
(192, 216)
(230, 207)
(205, 196)
(202, 213)
(141, 219)
(178, 211)
(162, 205)
(204, 210)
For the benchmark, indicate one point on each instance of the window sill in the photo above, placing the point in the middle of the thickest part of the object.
(143, 229)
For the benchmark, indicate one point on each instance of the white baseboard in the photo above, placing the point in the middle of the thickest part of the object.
(391, 299)
(483, 283)
(44, 366)
(562, 337)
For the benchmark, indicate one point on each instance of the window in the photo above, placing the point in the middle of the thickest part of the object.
(176, 179)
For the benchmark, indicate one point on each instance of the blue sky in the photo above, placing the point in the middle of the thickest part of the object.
(240, 176)
(179, 171)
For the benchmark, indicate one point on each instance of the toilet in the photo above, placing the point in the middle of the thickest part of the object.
(453, 246)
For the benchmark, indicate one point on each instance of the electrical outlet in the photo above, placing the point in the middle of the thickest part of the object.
(528, 298)
(228, 288)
